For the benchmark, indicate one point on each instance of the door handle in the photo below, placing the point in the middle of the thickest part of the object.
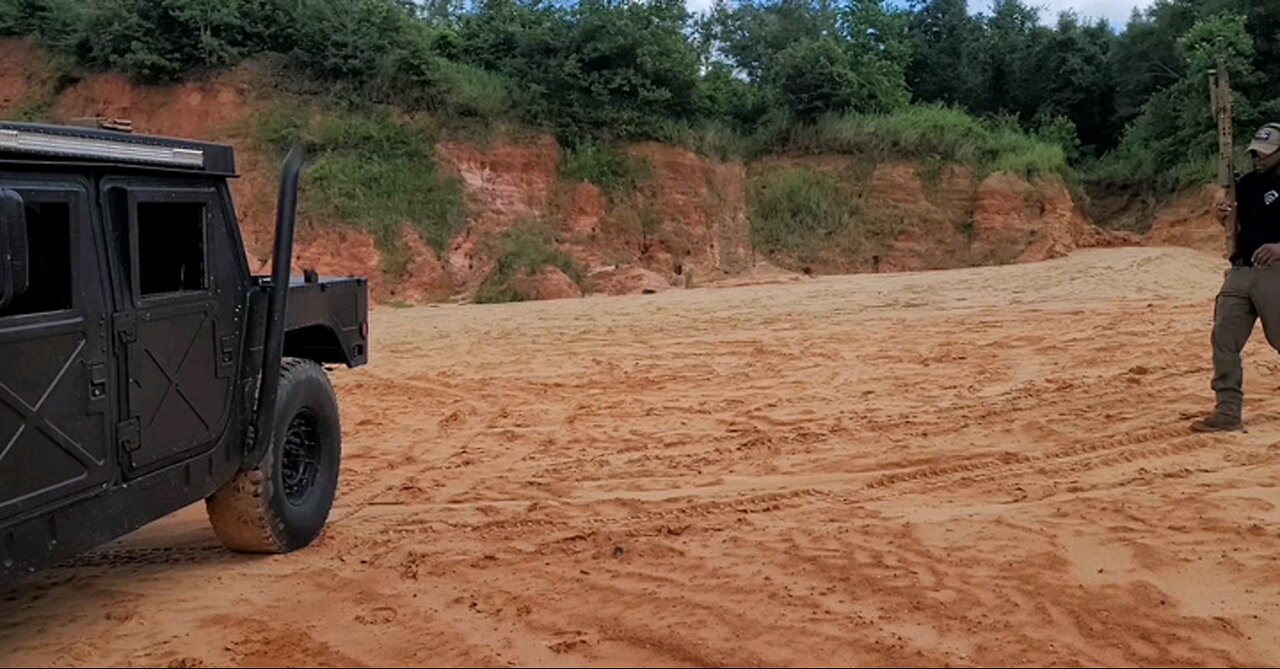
(97, 382)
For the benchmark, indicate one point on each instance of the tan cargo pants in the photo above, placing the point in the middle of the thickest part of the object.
(1248, 294)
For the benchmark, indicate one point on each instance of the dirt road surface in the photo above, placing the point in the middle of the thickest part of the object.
(977, 467)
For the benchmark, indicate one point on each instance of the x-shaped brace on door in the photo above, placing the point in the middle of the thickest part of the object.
(172, 377)
(33, 417)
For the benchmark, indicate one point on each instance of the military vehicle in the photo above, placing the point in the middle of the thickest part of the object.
(143, 366)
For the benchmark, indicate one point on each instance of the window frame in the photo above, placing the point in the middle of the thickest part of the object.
(75, 196)
(207, 199)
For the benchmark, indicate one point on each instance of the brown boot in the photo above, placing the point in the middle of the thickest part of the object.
(1218, 422)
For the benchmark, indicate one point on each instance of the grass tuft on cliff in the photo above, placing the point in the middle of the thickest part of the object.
(527, 247)
(370, 170)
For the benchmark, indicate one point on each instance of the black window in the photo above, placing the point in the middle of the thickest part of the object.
(171, 247)
(49, 251)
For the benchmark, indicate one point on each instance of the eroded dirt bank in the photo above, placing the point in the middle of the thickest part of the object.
(686, 222)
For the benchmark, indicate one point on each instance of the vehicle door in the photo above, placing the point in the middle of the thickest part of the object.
(181, 328)
(56, 403)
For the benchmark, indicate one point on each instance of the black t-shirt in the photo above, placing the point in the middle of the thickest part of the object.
(1259, 213)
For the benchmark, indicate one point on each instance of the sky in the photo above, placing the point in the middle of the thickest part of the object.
(1116, 11)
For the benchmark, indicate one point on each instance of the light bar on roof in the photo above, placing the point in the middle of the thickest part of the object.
(84, 147)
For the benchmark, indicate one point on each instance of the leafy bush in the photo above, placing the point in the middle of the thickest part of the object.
(527, 248)
(469, 92)
(602, 164)
(820, 77)
(159, 40)
(594, 67)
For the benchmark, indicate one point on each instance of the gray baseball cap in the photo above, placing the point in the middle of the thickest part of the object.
(1267, 141)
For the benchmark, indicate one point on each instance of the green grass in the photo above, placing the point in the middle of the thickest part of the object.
(475, 93)
(525, 248)
(710, 139)
(930, 171)
(373, 172)
(931, 133)
(1028, 158)
(33, 110)
(603, 164)
(1144, 173)
(58, 71)
(808, 216)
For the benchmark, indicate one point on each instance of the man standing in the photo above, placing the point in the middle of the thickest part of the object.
(1251, 290)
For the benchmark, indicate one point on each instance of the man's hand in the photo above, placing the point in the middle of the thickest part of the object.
(1266, 254)
(1224, 210)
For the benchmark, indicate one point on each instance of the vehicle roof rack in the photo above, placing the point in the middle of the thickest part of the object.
(113, 141)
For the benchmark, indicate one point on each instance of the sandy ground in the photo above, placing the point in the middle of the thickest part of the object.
(977, 467)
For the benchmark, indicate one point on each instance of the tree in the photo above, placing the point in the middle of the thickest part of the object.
(751, 34)
(1074, 74)
(726, 96)
(160, 40)
(626, 66)
(1146, 57)
(813, 78)
(859, 69)
(1171, 144)
(1008, 82)
(942, 35)
(878, 47)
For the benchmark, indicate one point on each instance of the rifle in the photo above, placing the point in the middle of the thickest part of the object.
(1220, 103)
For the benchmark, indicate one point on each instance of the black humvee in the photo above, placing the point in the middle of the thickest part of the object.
(143, 367)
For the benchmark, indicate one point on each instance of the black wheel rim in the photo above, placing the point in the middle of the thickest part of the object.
(300, 464)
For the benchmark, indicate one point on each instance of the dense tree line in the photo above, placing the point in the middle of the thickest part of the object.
(1128, 104)
(1136, 97)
